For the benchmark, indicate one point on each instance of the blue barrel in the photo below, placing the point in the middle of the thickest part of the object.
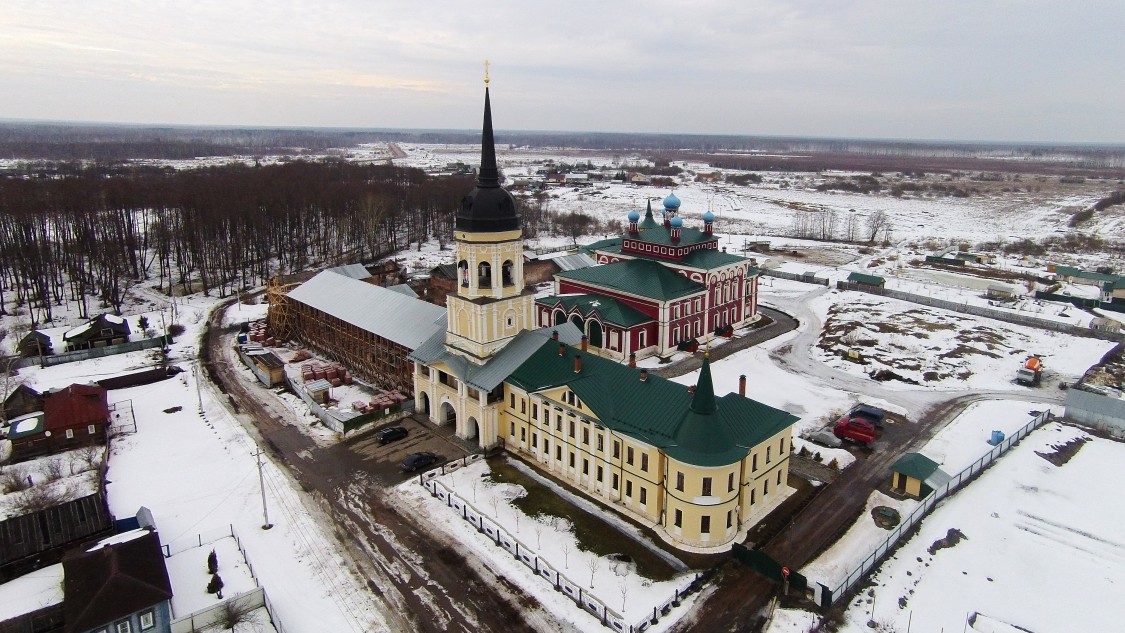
(243, 338)
(997, 437)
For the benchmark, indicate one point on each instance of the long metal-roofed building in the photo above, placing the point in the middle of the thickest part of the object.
(368, 328)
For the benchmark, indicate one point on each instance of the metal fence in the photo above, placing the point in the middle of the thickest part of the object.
(542, 568)
(826, 597)
(807, 278)
(991, 313)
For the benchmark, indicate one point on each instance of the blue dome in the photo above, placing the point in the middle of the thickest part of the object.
(634, 216)
(676, 221)
(708, 217)
(672, 202)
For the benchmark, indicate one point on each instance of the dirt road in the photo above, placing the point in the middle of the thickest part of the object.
(422, 579)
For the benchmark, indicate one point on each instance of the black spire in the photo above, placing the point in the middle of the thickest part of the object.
(488, 207)
(488, 176)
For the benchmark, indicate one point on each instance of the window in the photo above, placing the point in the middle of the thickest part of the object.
(91, 429)
(644, 462)
(547, 446)
(705, 524)
(678, 518)
(513, 431)
(779, 478)
(728, 519)
(585, 436)
(70, 434)
(572, 428)
(768, 448)
(512, 403)
(616, 450)
(558, 453)
(614, 486)
(523, 435)
(766, 487)
(558, 422)
(754, 463)
(644, 495)
(534, 411)
(523, 405)
(753, 495)
(534, 440)
(730, 482)
(600, 441)
(629, 455)
(706, 487)
(679, 481)
(781, 451)
(123, 627)
(572, 460)
(599, 474)
(147, 620)
(629, 488)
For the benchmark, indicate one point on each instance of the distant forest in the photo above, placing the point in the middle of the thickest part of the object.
(97, 231)
(65, 142)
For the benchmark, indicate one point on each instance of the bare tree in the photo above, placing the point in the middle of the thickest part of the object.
(565, 545)
(594, 563)
(624, 588)
(877, 222)
(539, 534)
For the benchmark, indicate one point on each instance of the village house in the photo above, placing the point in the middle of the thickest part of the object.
(72, 417)
(35, 343)
(33, 540)
(695, 467)
(103, 330)
(118, 587)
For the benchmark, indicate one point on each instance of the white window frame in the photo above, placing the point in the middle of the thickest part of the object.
(70, 434)
(148, 620)
(123, 626)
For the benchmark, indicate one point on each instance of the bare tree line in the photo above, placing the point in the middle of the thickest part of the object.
(95, 234)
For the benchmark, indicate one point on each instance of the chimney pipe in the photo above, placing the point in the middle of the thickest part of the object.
(742, 385)
(585, 342)
(644, 375)
(577, 363)
(691, 389)
(632, 359)
(562, 348)
(555, 334)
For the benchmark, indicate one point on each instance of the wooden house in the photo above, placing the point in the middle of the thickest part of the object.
(267, 367)
(442, 281)
(863, 281)
(915, 475)
(103, 330)
(119, 586)
(34, 540)
(21, 401)
(72, 417)
(35, 344)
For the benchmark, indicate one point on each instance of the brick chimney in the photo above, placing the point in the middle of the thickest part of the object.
(585, 342)
(632, 359)
(577, 363)
(742, 385)
(562, 348)
(644, 375)
(691, 389)
(555, 334)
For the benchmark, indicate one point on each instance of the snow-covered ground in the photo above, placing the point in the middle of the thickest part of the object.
(615, 583)
(1042, 548)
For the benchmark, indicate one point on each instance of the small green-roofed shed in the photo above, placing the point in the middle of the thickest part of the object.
(864, 279)
(916, 475)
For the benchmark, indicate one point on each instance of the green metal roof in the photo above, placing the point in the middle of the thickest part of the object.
(1071, 271)
(695, 429)
(25, 425)
(708, 258)
(662, 236)
(639, 277)
(602, 245)
(648, 222)
(915, 465)
(872, 280)
(609, 309)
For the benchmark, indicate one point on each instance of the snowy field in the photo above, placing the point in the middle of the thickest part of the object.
(1042, 548)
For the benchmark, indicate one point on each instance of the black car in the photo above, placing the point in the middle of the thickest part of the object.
(418, 461)
(390, 434)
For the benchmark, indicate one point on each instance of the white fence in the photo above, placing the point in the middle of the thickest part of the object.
(826, 598)
(216, 613)
(526, 555)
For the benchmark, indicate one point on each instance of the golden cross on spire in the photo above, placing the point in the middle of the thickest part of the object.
(486, 65)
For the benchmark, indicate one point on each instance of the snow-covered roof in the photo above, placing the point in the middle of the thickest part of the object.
(78, 331)
(574, 262)
(30, 592)
(113, 318)
(386, 313)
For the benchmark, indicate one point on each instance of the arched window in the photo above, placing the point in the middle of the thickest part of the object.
(508, 271)
(595, 334)
(560, 317)
(463, 272)
(484, 275)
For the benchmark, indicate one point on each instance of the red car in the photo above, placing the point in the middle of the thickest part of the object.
(857, 429)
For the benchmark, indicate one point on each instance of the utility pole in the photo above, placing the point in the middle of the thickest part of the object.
(197, 374)
(262, 484)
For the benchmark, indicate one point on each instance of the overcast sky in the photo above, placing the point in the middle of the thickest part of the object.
(1037, 70)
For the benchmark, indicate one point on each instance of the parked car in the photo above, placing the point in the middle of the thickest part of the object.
(390, 434)
(857, 429)
(868, 412)
(418, 461)
(826, 439)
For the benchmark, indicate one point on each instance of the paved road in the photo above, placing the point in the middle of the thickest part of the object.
(423, 583)
(781, 324)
